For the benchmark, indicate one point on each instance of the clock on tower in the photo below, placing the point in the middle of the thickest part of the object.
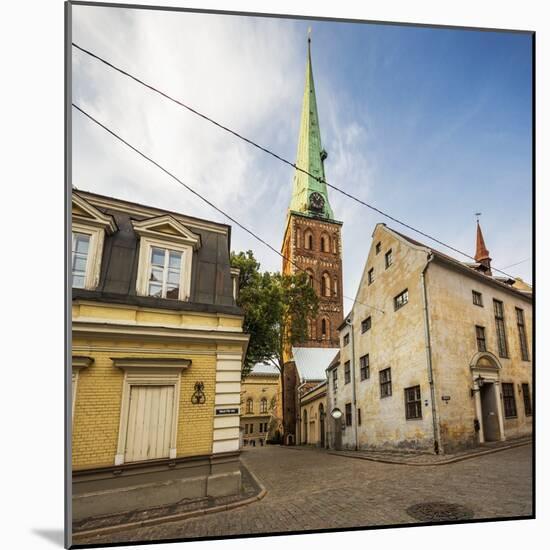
(316, 201)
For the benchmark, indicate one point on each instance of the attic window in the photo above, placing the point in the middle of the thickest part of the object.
(81, 245)
(165, 273)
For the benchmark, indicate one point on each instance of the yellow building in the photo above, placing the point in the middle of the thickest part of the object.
(435, 354)
(313, 407)
(260, 395)
(157, 352)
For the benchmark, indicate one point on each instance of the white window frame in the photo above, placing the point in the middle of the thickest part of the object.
(148, 372)
(179, 238)
(90, 221)
(144, 266)
(95, 251)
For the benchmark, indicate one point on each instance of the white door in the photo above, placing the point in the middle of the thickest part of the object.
(149, 423)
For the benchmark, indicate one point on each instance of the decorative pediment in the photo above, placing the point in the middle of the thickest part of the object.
(485, 360)
(168, 228)
(84, 212)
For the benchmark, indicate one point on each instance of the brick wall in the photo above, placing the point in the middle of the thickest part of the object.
(99, 395)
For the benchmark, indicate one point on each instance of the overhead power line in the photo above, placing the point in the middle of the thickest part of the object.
(517, 263)
(210, 203)
(278, 157)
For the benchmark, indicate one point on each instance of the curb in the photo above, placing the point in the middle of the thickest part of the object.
(174, 517)
(440, 463)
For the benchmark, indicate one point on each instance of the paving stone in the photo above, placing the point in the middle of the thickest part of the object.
(311, 489)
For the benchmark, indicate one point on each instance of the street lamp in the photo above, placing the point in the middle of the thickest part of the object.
(480, 381)
(336, 413)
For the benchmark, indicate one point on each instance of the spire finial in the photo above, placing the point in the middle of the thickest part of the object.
(482, 254)
(309, 34)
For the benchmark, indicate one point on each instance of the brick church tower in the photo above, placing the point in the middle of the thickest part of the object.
(312, 238)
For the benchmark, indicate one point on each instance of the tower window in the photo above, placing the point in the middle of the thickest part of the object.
(371, 276)
(335, 286)
(325, 285)
(324, 328)
(378, 247)
(325, 243)
(308, 239)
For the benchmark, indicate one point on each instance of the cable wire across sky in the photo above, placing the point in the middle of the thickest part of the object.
(275, 155)
(210, 203)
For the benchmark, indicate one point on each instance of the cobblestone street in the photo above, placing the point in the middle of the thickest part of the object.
(310, 489)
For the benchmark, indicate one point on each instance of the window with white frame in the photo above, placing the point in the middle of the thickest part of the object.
(165, 273)
(165, 259)
(80, 248)
(89, 227)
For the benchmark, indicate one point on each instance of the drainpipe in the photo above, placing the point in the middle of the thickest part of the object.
(353, 388)
(429, 355)
(298, 408)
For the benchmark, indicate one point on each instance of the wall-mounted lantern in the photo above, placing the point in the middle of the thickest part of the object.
(198, 397)
(480, 381)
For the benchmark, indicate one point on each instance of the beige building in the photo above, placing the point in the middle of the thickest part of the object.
(313, 407)
(260, 395)
(435, 354)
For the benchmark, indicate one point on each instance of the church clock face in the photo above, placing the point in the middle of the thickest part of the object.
(316, 201)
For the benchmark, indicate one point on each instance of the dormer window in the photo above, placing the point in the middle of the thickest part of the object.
(165, 273)
(89, 226)
(165, 258)
(81, 246)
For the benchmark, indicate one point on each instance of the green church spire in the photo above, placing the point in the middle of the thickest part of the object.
(309, 196)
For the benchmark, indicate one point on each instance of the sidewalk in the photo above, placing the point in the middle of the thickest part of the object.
(251, 491)
(412, 458)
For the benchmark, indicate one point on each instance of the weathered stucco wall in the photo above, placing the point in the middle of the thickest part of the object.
(453, 318)
(396, 339)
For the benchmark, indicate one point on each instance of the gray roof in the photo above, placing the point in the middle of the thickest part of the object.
(261, 368)
(312, 362)
(211, 283)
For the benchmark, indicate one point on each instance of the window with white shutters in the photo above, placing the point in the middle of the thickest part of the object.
(150, 420)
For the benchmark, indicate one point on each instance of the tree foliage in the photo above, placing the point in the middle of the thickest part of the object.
(276, 310)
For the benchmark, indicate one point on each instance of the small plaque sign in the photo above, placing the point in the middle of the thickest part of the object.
(220, 412)
(446, 397)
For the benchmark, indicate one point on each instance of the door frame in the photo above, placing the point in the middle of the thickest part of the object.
(486, 366)
(148, 372)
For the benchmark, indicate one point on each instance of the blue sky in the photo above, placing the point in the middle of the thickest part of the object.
(430, 125)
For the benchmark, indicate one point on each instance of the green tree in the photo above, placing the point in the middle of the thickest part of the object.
(276, 310)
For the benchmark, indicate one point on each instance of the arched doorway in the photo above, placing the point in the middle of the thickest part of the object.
(322, 425)
(485, 368)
